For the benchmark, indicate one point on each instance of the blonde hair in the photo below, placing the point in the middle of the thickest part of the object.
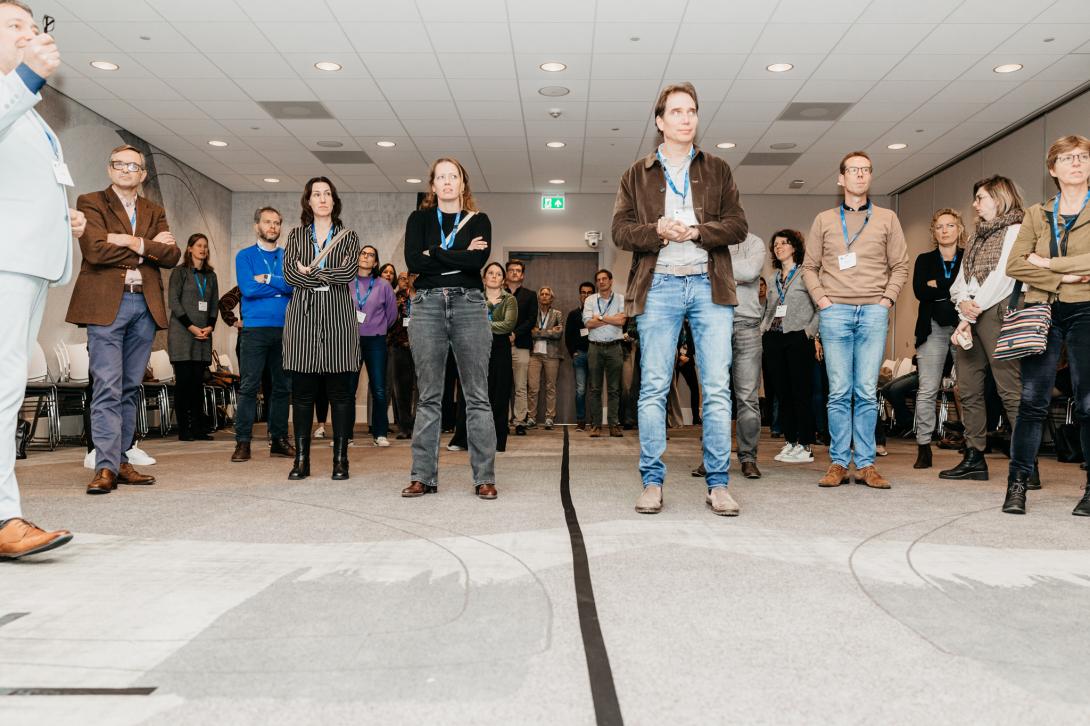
(1003, 191)
(962, 235)
(430, 200)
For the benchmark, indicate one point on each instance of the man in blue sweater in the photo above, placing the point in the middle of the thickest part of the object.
(259, 270)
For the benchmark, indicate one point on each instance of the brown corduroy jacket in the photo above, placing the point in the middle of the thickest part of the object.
(99, 287)
(641, 200)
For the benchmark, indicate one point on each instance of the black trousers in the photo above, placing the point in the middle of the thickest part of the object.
(404, 381)
(501, 382)
(305, 389)
(789, 359)
(189, 396)
(688, 372)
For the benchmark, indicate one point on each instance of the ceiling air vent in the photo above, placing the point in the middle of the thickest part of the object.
(288, 110)
(758, 158)
(814, 111)
(343, 157)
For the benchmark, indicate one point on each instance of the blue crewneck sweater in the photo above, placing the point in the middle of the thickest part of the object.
(263, 304)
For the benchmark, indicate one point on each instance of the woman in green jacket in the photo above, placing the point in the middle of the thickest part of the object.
(502, 315)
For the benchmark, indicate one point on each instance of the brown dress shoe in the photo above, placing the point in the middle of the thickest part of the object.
(750, 470)
(105, 481)
(486, 491)
(128, 475)
(595, 432)
(19, 538)
(836, 476)
(419, 489)
(242, 451)
(615, 431)
(871, 477)
(581, 426)
(281, 447)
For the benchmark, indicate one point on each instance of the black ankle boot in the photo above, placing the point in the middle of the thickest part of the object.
(340, 458)
(301, 469)
(923, 457)
(972, 466)
(1034, 477)
(1082, 509)
(22, 435)
(1015, 503)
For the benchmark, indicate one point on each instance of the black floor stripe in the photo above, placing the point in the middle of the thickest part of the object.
(11, 618)
(606, 708)
(76, 691)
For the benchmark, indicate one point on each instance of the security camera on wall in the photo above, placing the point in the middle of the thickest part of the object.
(593, 239)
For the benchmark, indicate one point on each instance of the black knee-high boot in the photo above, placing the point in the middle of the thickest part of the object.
(302, 415)
(340, 457)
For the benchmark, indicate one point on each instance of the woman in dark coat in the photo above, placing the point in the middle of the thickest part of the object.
(193, 294)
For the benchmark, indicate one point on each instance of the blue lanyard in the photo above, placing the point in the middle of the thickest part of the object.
(684, 193)
(132, 219)
(844, 225)
(543, 319)
(363, 300)
(490, 307)
(53, 143)
(317, 249)
(202, 287)
(782, 289)
(1068, 224)
(265, 259)
(446, 242)
(601, 310)
(949, 267)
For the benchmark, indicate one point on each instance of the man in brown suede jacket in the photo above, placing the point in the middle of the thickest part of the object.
(677, 210)
(119, 298)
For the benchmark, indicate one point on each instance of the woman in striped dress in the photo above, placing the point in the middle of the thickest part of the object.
(321, 338)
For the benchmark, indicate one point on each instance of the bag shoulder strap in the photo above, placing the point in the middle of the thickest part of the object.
(463, 223)
(329, 247)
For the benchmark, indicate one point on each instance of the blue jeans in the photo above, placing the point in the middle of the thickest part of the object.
(373, 356)
(452, 318)
(119, 354)
(854, 338)
(671, 300)
(262, 348)
(579, 367)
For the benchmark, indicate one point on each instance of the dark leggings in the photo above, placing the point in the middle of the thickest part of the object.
(789, 358)
(189, 396)
(338, 390)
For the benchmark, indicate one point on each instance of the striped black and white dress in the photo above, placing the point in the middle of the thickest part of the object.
(321, 334)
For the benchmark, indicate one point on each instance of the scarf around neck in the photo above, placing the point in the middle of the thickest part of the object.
(986, 246)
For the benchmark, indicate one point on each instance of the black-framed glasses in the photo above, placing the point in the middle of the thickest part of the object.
(126, 166)
(48, 22)
(858, 170)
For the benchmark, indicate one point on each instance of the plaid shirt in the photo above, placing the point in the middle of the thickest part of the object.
(398, 335)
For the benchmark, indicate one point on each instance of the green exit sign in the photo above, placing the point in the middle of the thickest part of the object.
(552, 202)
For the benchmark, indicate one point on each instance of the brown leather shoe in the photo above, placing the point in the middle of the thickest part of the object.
(871, 477)
(126, 474)
(105, 481)
(281, 447)
(595, 432)
(486, 491)
(242, 451)
(19, 538)
(615, 431)
(750, 470)
(836, 476)
(581, 426)
(419, 489)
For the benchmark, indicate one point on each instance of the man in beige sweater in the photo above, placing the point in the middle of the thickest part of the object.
(856, 263)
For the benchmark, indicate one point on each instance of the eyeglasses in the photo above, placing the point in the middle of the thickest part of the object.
(367, 254)
(126, 166)
(864, 170)
(1083, 158)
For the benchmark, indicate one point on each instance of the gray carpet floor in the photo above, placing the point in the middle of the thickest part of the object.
(233, 596)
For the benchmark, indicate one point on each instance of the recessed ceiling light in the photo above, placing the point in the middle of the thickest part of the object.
(556, 144)
(725, 145)
(413, 180)
(556, 181)
(104, 65)
(897, 147)
(217, 142)
(552, 67)
(780, 67)
(327, 66)
(1008, 68)
(554, 91)
(271, 180)
(385, 144)
(330, 144)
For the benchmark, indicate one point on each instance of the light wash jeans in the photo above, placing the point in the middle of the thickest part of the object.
(930, 359)
(452, 318)
(670, 300)
(854, 338)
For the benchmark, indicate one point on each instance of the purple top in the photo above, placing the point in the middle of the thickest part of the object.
(380, 306)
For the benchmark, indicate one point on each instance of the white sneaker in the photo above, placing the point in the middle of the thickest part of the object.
(801, 455)
(382, 441)
(319, 433)
(351, 442)
(89, 460)
(455, 447)
(139, 457)
(787, 449)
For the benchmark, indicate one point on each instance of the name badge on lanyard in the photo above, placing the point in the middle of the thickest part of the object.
(60, 169)
(202, 288)
(848, 260)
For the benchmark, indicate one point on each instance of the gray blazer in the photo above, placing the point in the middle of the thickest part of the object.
(184, 298)
(552, 340)
(801, 312)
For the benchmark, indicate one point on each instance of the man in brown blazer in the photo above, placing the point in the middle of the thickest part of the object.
(119, 298)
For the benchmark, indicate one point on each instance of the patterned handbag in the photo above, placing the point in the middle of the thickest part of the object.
(1025, 330)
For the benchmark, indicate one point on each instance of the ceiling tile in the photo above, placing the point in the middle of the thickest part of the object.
(1066, 38)
(800, 37)
(179, 65)
(478, 65)
(763, 91)
(220, 37)
(491, 89)
(162, 37)
(248, 127)
(203, 10)
(898, 11)
(187, 127)
(714, 37)
(414, 89)
(756, 65)
(1069, 68)
(485, 127)
(276, 89)
(111, 10)
(983, 70)
(571, 10)
(304, 65)
(402, 65)
(360, 109)
(609, 66)
(140, 90)
(301, 37)
(82, 88)
(975, 91)
(989, 11)
(1066, 11)
(713, 11)
(206, 89)
(634, 90)
(477, 11)
(931, 67)
(252, 65)
(618, 37)
(363, 11)
(387, 37)
(344, 89)
(502, 110)
(314, 127)
(698, 66)
(483, 37)
(374, 127)
(552, 38)
(285, 10)
(883, 38)
(833, 91)
(965, 38)
(424, 109)
(905, 91)
(807, 11)
(432, 127)
(128, 67)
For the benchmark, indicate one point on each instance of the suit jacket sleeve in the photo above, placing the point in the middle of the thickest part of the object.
(627, 231)
(96, 250)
